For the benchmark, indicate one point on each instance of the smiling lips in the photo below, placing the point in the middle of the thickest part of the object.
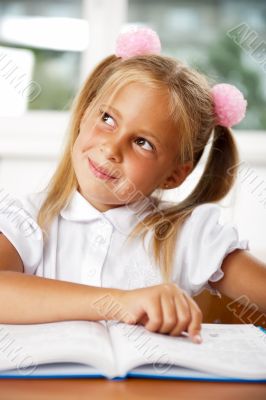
(99, 172)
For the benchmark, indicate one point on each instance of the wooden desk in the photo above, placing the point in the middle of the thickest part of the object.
(146, 389)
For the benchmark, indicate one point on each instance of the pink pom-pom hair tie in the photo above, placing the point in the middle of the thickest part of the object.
(229, 104)
(137, 41)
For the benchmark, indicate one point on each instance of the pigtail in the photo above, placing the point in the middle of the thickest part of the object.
(220, 170)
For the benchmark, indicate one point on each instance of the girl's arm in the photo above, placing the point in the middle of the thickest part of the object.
(9, 257)
(243, 275)
(29, 299)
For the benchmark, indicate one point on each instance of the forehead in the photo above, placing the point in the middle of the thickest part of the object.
(139, 95)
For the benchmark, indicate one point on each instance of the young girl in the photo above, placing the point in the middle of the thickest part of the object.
(101, 231)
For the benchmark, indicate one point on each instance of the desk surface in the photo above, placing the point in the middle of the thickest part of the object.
(148, 389)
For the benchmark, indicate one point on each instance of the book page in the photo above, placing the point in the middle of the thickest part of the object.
(23, 347)
(56, 370)
(227, 350)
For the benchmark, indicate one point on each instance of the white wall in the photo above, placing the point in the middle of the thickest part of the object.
(30, 147)
(29, 150)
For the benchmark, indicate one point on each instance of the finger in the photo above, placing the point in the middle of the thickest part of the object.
(194, 327)
(154, 313)
(143, 320)
(183, 314)
(169, 316)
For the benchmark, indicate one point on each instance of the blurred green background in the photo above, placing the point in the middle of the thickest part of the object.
(193, 31)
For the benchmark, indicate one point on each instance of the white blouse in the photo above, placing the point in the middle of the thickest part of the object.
(87, 246)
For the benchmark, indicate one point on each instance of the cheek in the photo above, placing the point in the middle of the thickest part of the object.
(79, 150)
(141, 173)
(88, 136)
(75, 154)
(76, 147)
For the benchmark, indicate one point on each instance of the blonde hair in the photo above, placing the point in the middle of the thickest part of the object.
(191, 109)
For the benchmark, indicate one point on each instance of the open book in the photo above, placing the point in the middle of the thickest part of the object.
(116, 350)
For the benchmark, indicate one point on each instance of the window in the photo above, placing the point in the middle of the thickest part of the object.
(54, 33)
(55, 38)
(224, 39)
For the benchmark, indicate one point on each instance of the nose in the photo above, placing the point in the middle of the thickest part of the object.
(112, 151)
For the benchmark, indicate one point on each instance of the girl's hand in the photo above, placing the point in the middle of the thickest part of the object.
(162, 308)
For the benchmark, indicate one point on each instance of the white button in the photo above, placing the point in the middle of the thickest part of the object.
(91, 272)
(99, 240)
(104, 224)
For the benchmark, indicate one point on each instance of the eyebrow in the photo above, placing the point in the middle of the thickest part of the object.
(115, 111)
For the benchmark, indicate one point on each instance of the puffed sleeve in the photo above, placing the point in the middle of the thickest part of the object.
(204, 243)
(20, 228)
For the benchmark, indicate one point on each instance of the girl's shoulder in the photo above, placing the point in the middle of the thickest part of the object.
(20, 207)
(31, 202)
(206, 238)
(206, 212)
(18, 224)
(209, 224)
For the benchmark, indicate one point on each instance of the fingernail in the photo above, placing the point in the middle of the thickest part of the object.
(196, 339)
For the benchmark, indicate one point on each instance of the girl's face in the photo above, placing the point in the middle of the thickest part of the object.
(126, 149)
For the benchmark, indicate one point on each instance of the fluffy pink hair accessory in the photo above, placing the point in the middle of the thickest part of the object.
(229, 104)
(137, 41)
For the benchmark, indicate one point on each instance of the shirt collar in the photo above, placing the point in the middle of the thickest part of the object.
(123, 218)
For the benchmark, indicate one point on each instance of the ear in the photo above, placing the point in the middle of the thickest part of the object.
(177, 176)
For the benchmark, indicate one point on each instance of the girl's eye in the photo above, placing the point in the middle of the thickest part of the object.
(105, 117)
(141, 140)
